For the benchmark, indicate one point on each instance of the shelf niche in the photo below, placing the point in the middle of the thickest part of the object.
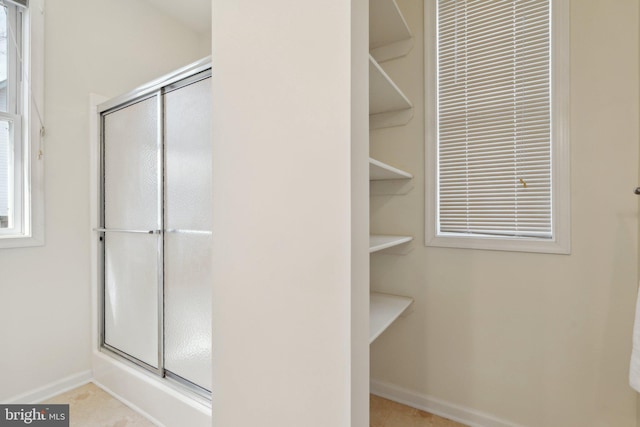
(389, 38)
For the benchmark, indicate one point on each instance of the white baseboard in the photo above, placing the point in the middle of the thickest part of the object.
(47, 391)
(439, 407)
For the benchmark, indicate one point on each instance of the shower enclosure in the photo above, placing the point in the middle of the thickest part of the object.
(155, 227)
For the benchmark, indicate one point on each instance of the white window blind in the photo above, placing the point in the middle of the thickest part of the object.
(493, 118)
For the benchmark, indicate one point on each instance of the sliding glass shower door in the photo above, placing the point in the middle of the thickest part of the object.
(156, 230)
(133, 241)
(188, 208)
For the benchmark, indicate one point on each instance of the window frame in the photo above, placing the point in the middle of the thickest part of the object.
(28, 130)
(560, 166)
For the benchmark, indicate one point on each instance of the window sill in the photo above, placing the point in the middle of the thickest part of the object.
(8, 242)
(515, 244)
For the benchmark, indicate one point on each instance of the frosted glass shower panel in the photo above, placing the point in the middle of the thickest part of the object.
(188, 208)
(131, 295)
(131, 151)
(188, 192)
(187, 351)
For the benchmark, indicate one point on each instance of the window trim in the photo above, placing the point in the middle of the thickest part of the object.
(32, 233)
(561, 242)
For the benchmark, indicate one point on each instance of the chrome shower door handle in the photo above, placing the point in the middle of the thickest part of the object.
(122, 230)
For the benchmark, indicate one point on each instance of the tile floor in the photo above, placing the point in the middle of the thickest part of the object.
(385, 413)
(90, 406)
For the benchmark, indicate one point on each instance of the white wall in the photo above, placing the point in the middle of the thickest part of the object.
(91, 46)
(283, 228)
(537, 340)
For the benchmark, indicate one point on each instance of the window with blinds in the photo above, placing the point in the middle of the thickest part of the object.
(493, 114)
(21, 125)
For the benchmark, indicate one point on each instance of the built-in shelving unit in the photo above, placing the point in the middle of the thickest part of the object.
(384, 309)
(389, 34)
(389, 37)
(379, 171)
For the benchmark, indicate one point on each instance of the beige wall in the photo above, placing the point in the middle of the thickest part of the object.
(282, 256)
(91, 46)
(537, 340)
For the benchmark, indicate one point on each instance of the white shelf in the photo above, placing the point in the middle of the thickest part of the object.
(379, 171)
(380, 242)
(388, 106)
(389, 34)
(384, 95)
(384, 309)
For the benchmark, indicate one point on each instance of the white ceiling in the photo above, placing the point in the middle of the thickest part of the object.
(195, 14)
